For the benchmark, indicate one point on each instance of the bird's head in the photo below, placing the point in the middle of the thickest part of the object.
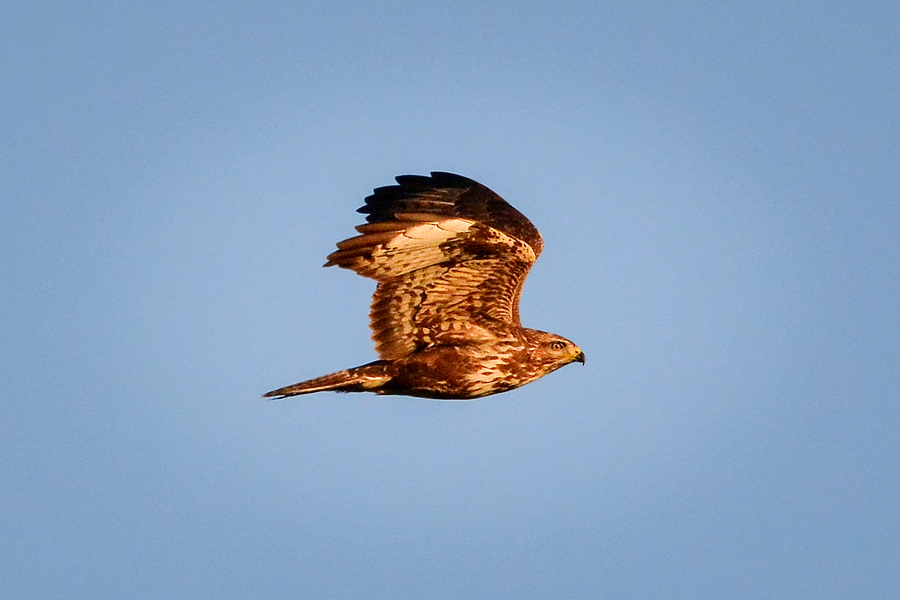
(550, 351)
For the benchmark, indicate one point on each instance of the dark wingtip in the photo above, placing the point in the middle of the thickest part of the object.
(445, 178)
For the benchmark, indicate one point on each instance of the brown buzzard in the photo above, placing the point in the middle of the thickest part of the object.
(450, 257)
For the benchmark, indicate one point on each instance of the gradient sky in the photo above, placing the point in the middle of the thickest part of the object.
(718, 187)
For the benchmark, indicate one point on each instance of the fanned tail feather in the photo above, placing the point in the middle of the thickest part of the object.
(358, 379)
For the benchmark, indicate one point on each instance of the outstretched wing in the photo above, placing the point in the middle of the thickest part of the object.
(450, 257)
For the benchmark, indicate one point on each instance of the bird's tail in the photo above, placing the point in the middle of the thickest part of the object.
(358, 379)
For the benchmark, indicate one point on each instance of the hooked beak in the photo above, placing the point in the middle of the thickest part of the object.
(580, 357)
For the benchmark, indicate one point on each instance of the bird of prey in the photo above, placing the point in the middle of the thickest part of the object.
(450, 257)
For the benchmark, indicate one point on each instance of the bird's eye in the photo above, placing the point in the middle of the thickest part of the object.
(558, 345)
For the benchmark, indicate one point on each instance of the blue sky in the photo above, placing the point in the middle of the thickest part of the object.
(717, 187)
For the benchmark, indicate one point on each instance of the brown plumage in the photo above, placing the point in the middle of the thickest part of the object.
(450, 257)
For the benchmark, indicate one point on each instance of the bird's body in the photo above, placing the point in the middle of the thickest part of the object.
(450, 257)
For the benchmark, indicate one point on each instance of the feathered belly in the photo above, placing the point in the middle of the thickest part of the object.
(456, 373)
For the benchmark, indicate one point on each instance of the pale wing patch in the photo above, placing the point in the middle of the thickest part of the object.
(429, 234)
(390, 249)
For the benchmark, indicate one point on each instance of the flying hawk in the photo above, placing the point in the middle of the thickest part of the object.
(450, 257)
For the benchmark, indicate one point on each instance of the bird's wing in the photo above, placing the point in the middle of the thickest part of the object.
(450, 257)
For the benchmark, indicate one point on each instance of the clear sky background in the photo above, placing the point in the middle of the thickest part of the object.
(718, 187)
